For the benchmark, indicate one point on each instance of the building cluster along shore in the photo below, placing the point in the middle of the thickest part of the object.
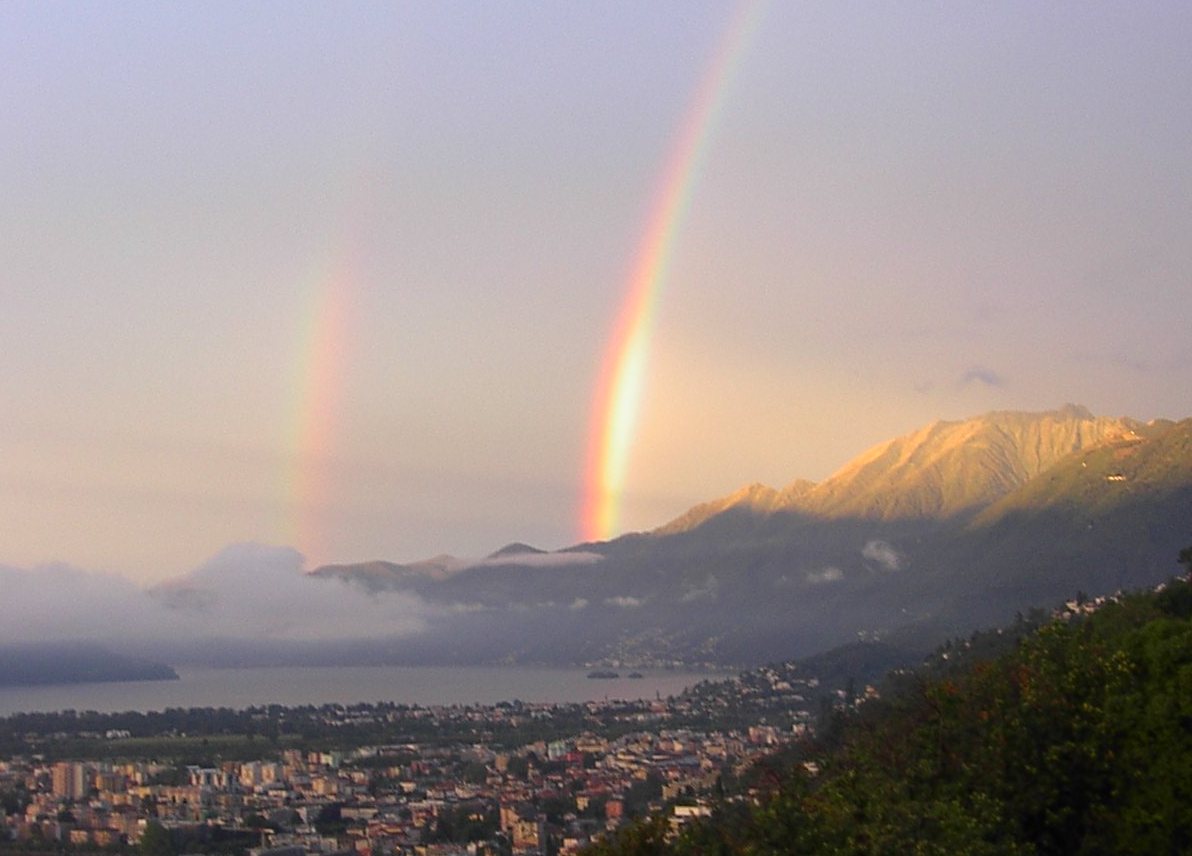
(449, 783)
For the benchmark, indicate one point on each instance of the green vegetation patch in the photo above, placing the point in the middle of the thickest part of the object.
(1077, 741)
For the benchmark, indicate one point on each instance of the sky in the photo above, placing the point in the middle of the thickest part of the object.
(347, 278)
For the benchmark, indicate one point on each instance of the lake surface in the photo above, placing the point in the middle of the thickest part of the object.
(296, 685)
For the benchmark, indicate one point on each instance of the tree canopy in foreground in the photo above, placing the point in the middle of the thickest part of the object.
(1079, 740)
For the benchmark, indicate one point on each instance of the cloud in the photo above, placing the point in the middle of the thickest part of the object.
(247, 591)
(579, 603)
(825, 575)
(707, 591)
(60, 602)
(624, 601)
(253, 590)
(981, 375)
(883, 554)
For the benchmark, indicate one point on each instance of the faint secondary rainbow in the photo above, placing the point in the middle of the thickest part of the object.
(317, 389)
(622, 378)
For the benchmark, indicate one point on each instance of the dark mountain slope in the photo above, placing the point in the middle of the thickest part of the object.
(74, 663)
(952, 527)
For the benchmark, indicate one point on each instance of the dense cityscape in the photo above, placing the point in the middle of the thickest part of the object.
(511, 778)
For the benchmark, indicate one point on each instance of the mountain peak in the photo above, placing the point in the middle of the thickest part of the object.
(943, 469)
(1075, 411)
(516, 548)
(946, 527)
(954, 468)
(757, 498)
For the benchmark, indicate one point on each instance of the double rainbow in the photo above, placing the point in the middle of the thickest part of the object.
(619, 388)
(622, 379)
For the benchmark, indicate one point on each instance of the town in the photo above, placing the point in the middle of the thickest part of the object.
(512, 778)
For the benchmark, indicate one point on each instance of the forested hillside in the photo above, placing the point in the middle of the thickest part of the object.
(1079, 740)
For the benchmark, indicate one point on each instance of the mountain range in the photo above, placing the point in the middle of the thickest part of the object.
(957, 525)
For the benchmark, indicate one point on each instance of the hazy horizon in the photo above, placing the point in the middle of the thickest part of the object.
(343, 279)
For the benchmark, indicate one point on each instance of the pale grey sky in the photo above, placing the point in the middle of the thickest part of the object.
(342, 276)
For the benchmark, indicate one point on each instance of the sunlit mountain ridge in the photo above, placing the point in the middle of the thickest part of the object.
(952, 526)
(947, 529)
(944, 469)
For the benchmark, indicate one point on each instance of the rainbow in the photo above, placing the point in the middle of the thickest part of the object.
(317, 389)
(622, 379)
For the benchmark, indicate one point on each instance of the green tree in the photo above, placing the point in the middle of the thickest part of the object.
(644, 838)
(156, 841)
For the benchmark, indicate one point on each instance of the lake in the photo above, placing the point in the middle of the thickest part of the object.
(299, 685)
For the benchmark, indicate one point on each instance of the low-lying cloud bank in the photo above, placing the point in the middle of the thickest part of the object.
(883, 555)
(825, 575)
(246, 591)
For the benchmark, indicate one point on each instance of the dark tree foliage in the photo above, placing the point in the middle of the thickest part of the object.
(1076, 741)
(645, 838)
(464, 823)
(156, 841)
(639, 795)
(14, 801)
